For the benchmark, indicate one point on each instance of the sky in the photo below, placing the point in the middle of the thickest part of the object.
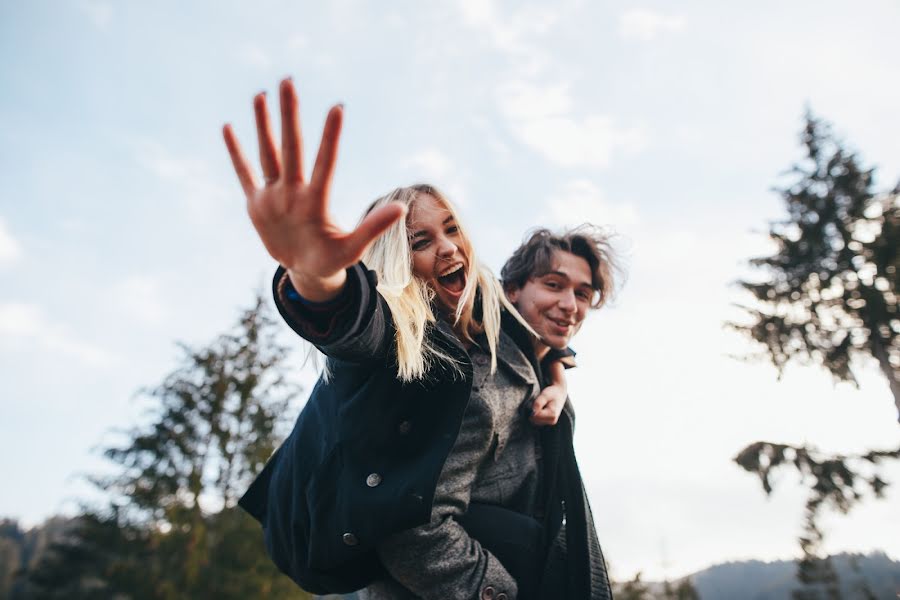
(123, 229)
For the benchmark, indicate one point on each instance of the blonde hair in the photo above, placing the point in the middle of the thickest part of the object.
(410, 299)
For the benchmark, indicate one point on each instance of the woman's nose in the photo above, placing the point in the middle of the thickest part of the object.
(446, 248)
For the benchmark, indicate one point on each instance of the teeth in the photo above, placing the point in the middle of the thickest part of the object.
(451, 270)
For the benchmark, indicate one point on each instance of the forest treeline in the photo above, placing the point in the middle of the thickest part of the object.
(862, 576)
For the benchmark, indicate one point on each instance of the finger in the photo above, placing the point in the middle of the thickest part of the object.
(241, 165)
(539, 404)
(541, 420)
(291, 139)
(375, 223)
(268, 152)
(323, 170)
(545, 418)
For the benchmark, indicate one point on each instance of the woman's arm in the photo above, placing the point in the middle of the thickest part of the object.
(355, 326)
(291, 214)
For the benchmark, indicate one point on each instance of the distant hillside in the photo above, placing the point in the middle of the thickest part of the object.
(756, 580)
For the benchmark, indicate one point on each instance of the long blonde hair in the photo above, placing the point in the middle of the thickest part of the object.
(410, 299)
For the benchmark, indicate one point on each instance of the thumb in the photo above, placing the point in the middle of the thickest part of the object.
(375, 224)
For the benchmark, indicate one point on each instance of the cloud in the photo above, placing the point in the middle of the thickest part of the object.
(203, 192)
(431, 165)
(251, 55)
(100, 13)
(540, 117)
(139, 296)
(10, 249)
(431, 162)
(581, 201)
(297, 42)
(513, 33)
(539, 111)
(26, 321)
(646, 25)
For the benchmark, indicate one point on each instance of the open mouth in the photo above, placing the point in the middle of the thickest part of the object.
(453, 279)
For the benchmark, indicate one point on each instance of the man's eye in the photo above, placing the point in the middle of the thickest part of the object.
(552, 285)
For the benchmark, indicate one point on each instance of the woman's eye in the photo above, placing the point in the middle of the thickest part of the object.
(419, 245)
(452, 229)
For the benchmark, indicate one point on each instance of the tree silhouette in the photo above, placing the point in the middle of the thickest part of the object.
(828, 296)
(171, 529)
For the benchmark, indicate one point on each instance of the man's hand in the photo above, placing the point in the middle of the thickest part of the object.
(549, 404)
(290, 214)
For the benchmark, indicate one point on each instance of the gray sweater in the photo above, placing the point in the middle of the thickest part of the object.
(496, 460)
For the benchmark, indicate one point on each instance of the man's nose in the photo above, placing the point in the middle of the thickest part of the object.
(567, 301)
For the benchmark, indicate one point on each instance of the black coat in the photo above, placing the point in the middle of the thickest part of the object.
(365, 454)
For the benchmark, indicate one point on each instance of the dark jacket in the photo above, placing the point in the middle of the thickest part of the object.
(365, 454)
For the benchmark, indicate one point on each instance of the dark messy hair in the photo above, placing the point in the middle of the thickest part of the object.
(534, 258)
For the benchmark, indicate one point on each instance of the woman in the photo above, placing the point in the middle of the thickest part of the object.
(420, 414)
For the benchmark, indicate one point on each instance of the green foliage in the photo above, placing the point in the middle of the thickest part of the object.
(171, 529)
(634, 590)
(828, 296)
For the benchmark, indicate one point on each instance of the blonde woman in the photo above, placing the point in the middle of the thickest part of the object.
(419, 421)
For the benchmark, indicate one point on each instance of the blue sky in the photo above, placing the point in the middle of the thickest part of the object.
(122, 228)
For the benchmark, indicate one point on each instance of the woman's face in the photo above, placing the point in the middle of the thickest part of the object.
(437, 246)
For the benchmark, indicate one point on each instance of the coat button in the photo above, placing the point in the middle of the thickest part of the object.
(487, 593)
(350, 539)
(404, 427)
(373, 480)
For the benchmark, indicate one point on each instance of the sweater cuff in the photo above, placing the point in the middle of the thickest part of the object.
(318, 320)
(497, 584)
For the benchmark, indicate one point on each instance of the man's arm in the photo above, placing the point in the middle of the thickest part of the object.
(548, 405)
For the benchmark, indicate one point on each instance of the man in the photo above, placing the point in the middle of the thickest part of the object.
(553, 281)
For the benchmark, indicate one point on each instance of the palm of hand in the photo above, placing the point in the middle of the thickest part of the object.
(291, 215)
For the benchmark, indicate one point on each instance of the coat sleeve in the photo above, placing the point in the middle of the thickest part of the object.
(357, 328)
(440, 560)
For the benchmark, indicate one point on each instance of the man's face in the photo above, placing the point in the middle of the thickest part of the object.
(556, 303)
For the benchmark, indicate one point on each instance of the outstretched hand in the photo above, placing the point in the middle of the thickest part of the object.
(291, 214)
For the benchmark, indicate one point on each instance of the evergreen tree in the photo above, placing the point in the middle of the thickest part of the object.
(828, 296)
(172, 529)
(685, 590)
(829, 293)
(633, 590)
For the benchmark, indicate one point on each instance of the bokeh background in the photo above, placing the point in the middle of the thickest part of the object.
(123, 230)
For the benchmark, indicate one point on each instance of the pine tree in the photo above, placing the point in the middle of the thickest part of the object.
(828, 296)
(171, 529)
